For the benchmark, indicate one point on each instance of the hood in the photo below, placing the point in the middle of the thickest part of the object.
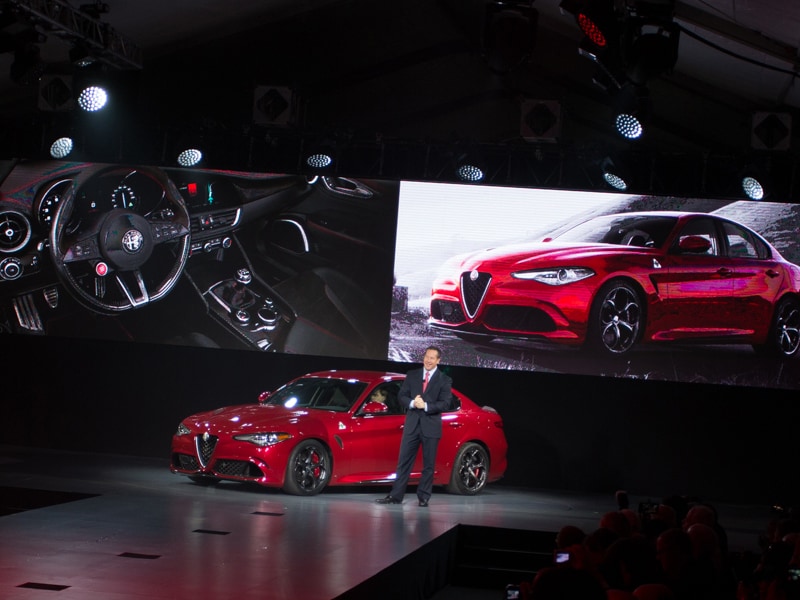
(248, 418)
(543, 254)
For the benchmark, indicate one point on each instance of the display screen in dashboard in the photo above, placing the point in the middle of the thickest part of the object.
(207, 193)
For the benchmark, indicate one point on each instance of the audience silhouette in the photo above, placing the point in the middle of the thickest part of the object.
(675, 549)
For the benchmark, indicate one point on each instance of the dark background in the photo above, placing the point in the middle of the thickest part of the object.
(594, 434)
(415, 71)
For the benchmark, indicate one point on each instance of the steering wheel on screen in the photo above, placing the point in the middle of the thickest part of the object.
(112, 258)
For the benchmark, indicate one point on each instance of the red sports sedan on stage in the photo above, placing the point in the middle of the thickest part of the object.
(335, 428)
(619, 279)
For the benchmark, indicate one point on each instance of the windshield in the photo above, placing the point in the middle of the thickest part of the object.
(328, 394)
(625, 230)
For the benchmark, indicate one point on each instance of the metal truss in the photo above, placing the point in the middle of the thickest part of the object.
(62, 19)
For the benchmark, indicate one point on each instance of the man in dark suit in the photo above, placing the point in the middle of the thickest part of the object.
(426, 392)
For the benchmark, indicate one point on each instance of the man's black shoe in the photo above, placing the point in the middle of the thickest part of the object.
(388, 500)
(423, 503)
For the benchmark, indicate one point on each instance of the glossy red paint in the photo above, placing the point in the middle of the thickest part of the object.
(618, 280)
(323, 434)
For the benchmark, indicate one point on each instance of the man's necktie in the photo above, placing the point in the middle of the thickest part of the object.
(425, 381)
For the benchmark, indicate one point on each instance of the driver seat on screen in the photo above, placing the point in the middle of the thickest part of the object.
(335, 317)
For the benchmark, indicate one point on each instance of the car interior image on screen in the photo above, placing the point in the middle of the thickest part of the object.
(220, 259)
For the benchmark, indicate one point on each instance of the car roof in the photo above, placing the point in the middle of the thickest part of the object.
(361, 375)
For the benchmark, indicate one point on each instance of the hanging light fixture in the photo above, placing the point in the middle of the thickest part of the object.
(616, 174)
(755, 181)
(632, 108)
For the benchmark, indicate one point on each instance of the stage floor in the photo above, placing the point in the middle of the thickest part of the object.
(101, 527)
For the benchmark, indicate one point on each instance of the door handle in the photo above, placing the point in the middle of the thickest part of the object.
(772, 273)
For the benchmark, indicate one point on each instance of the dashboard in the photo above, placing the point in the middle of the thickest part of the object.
(31, 194)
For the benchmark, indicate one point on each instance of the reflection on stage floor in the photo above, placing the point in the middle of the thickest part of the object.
(122, 528)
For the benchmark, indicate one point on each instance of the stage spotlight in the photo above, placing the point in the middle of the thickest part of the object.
(597, 19)
(320, 154)
(92, 98)
(470, 173)
(189, 157)
(651, 48)
(752, 188)
(755, 182)
(632, 109)
(319, 160)
(62, 147)
(615, 174)
(509, 34)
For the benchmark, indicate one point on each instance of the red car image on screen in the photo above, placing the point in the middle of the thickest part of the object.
(617, 280)
(324, 429)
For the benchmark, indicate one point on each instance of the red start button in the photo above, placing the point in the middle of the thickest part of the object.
(101, 269)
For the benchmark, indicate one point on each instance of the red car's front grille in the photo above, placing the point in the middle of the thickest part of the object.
(185, 462)
(237, 468)
(449, 312)
(473, 289)
(205, 447)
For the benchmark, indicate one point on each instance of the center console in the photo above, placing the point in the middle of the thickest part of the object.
(245, 306)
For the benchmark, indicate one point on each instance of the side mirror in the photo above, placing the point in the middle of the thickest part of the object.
(694, 244)
(263, 397)
(371, 408)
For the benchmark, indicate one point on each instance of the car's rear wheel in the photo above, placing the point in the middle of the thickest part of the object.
(309, 469)
(784, 332)
(616, 318)
(470, 470)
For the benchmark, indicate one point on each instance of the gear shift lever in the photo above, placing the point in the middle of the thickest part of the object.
(239, 291)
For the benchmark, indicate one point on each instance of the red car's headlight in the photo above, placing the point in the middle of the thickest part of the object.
(263, 439)
(561, 276)
(183, 430)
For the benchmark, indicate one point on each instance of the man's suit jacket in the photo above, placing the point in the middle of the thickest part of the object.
(438, 396)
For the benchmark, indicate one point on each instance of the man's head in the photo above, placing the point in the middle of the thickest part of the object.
(431, 358)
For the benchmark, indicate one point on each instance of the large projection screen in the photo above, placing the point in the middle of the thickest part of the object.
(707, 305)
(358, 268)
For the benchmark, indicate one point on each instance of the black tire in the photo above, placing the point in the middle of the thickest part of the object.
(470, 470)
(617, 318)
(308, 470)
(783, 339)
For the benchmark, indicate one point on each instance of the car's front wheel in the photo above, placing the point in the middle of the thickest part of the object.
(470, 470)
(309, 469)
(784, 332)
(616, 319)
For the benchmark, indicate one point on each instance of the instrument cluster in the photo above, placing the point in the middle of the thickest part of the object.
(126, 189)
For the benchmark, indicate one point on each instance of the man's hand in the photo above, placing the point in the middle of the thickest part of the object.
(419, 402)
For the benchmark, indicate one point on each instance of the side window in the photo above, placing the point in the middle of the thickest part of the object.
(455, 404)
(703, 228)
(386, 393)
(392, 389)
(741, 243)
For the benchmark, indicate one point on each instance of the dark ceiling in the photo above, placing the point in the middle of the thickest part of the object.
(417, 75)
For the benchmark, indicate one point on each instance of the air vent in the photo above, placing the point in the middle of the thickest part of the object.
(221, 219)
(15, 231)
